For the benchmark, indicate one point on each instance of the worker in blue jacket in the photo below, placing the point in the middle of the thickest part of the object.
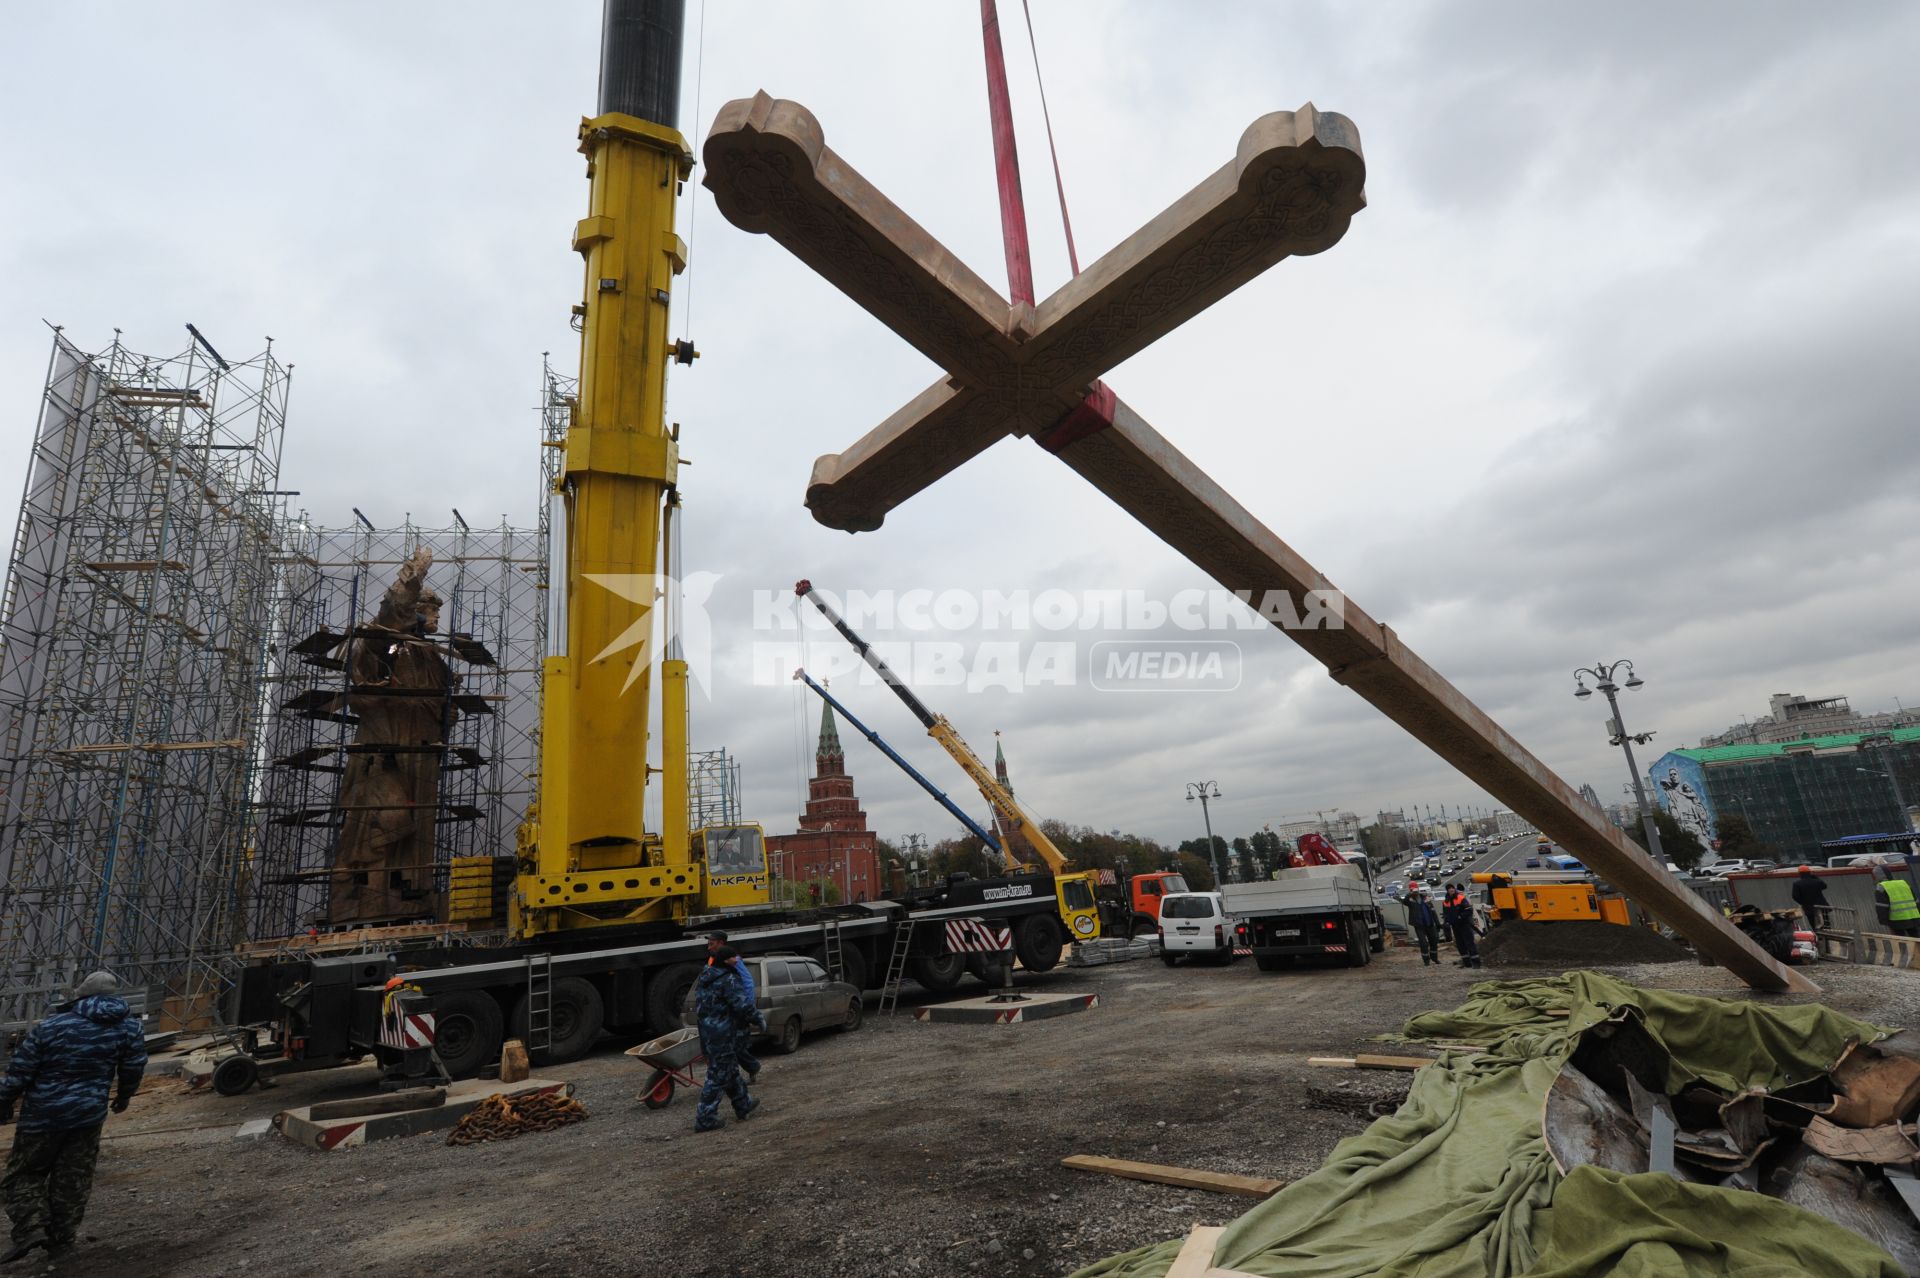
(743, 1046)
(721, 1005)
(64, 1070)
(1425, 922)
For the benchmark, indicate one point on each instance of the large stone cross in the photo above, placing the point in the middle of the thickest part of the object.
(1296, 180)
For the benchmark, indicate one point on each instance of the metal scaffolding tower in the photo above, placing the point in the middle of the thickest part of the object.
(713, 784)
(131, 639)
(492, 631)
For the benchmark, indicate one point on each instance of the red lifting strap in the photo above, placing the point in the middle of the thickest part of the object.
(1006, 162)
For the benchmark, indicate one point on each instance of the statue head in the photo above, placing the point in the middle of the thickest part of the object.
(427, 612)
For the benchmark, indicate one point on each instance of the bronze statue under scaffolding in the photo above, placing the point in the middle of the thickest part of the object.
(399, 689)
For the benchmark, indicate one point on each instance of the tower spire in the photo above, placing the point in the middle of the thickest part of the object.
(829, 751)
(1000, 764)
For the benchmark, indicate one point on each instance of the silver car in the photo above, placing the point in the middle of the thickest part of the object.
(796, 995)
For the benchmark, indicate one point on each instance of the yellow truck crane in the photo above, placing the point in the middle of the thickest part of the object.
(604, 917)
(1073, 889)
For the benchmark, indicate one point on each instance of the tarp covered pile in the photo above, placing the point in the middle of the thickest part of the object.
(1460, 1182)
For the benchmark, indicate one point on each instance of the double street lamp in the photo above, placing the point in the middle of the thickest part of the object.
(1603, 681)
(1204, 790)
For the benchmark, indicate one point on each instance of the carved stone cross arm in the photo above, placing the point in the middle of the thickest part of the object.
(1296, 180)
(1147, 476)
(1294, 184)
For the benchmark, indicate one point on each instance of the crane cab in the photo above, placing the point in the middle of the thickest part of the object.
(735, 857)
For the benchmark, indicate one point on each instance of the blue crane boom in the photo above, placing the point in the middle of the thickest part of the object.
(905, 767)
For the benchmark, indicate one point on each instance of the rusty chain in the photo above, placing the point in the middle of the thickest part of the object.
(501, 1118)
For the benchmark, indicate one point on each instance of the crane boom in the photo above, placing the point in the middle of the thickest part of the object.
(1007, 812)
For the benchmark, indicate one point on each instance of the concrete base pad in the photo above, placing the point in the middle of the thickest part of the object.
(984, 1011)
(343, 1133)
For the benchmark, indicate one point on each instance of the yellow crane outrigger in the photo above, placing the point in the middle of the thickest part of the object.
(1074, 889)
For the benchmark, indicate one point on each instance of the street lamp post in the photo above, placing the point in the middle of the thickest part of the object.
(1204, 790)
(1603, 680)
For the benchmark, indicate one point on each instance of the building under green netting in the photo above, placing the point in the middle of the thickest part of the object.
(1796, 794)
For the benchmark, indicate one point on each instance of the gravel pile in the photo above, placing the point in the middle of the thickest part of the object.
(1577, 943)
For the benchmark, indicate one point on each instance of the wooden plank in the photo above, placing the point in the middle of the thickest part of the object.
(136, 565)
(391, 1103)
(1368, 1060)
(1196, 1255)
(1184, 1177)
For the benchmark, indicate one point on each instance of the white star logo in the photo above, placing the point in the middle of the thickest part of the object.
(687, 598)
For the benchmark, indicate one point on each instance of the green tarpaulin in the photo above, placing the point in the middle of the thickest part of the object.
(1458, 1182)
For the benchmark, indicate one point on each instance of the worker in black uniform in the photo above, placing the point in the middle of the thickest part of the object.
(1425, 922)
(1810, 894)
(1458, 912)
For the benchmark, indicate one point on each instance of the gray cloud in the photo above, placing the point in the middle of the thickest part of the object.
(1616, 362)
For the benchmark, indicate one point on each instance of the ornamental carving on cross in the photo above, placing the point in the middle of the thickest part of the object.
(1291, 189)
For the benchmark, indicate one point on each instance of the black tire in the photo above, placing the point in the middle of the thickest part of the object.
(1169, 959)
(1037, 941)
(991, 970)
(789, 1041)
(856, 1012)
(658, 1093)
(666, 993)
(466, 1031)
(1272, 962)
(1378, 943)
(235, 1075)
(577, 1018)
(1143, 925)
(937, 973)
(853, 964)
(1225, 957)
(1357, 952)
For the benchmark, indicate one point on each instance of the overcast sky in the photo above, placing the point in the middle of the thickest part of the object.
(1619, 361)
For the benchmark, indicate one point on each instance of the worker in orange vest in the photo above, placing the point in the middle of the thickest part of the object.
(1459, 915)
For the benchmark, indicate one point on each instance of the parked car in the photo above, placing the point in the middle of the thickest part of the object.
(1720, 869)
(796, 995)
(1195, 924)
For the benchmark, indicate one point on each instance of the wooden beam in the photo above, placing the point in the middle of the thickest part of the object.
(1184, 1177)
(391, 1103)
(1365, 1060)
(136, 565)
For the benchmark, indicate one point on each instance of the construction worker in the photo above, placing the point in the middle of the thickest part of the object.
(743, 1046)
(1893, 902)
(1425, 922)
(64, 1069)
(721, 1004)
(1810, 894)
(1458, 912)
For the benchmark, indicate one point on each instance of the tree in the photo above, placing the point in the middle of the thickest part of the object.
(1267, 853)
(1194, 869)
(1678, 842)
(1243, 856)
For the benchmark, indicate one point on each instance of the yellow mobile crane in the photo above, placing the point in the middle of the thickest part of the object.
(1074, 889)
(605, 915)
(586, 858)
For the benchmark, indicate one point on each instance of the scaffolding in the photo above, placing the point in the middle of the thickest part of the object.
(713, 788)
(131, 640)
(492, 631)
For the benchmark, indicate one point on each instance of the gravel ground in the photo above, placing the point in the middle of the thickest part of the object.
(899, 1149)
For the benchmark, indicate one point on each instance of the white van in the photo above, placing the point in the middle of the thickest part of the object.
(1195, 924)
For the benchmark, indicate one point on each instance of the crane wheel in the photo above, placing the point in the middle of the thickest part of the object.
(1357, 953)
(667, 994)
(466, 1031)
(1037, 940)
(575, 1021)
(853, 964)
(937, 973)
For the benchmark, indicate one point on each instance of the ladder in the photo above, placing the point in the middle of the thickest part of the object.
(836, 954)
(539, 1002)
(896, 968)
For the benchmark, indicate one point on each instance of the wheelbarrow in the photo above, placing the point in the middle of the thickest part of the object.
(672, 1057)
